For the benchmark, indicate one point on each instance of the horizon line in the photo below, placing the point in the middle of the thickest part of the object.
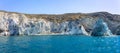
(54, 13)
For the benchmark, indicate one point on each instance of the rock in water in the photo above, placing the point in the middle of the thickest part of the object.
(101, 29)
(78, 30)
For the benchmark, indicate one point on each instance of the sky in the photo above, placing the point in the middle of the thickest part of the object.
(60, 6)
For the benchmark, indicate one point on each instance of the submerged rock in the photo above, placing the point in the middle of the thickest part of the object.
(101, 29)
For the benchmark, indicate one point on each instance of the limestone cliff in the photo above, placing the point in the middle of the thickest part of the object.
(12, 23)
(101, 29)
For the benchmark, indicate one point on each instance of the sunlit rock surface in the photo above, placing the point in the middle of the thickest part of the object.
(12, 23)
(101, 29)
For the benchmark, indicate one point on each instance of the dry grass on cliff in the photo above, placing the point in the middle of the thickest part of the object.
(58, 18)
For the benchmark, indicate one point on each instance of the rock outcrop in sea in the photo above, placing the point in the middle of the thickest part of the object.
(75, 30)
(101, 29)
(12, 23)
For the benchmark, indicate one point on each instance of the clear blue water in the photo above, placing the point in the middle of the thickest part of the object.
(59, 44)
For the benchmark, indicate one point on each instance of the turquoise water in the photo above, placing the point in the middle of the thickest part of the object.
(59, 44)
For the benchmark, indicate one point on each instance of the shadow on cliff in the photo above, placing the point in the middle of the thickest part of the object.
(13, 27)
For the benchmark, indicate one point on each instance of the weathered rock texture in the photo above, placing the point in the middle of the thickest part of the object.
(101, 29)
(12, 23)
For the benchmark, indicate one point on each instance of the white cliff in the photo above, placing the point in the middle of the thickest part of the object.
(20, 24)
(12, 23)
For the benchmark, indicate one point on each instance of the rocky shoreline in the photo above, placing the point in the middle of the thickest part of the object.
(97, 24)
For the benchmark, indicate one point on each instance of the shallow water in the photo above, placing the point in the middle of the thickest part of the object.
(59, 44)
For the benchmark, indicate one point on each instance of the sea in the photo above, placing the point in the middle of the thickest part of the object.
(59, 44)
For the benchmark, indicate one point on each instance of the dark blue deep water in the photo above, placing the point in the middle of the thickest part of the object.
(59, 44)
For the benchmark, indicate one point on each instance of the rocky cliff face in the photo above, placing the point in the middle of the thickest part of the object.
(101, 29)
(12, 23)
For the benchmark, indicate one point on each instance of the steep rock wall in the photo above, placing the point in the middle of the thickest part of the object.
(76, 23)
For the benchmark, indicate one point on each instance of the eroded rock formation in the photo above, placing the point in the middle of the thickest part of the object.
(12, 23)
(101, 29)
